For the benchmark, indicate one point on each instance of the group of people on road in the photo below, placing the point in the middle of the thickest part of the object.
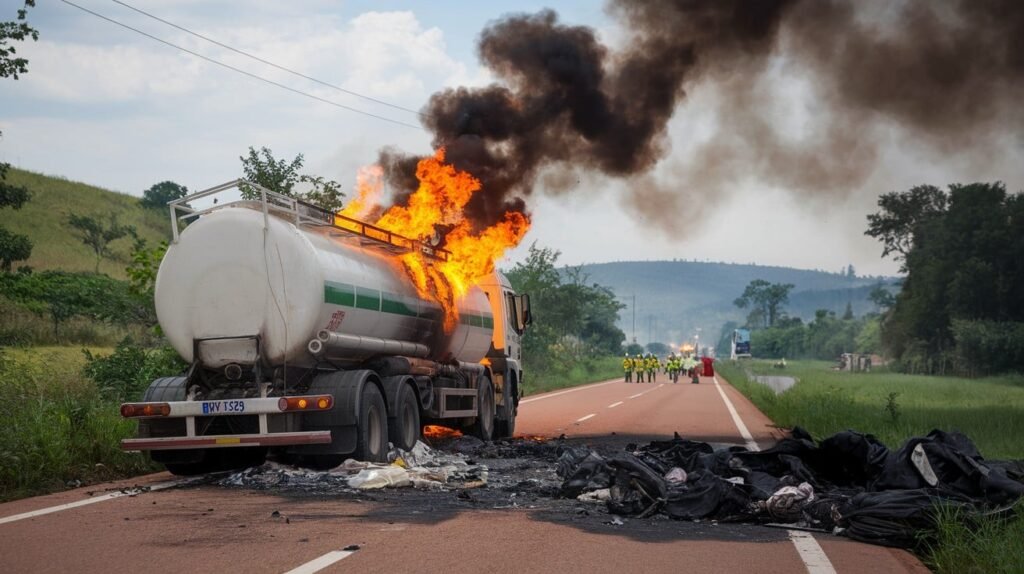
(641, 364)
(675, 365)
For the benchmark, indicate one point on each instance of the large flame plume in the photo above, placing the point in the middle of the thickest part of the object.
(435, 214)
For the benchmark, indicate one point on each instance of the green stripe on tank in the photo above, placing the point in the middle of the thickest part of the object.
(392, 303)
(339, 294)
(349, 295)
(368, 299)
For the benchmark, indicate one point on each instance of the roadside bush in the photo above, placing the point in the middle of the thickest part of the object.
(125, 373)
(984, 347)
(59, 430)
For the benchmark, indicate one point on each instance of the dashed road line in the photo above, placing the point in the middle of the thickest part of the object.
(811, 553)
(322, 562)
(638, 395)
(613, 405)
(93, 500)
(590, 416)
(560, 393)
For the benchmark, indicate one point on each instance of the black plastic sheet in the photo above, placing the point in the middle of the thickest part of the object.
(861, 488)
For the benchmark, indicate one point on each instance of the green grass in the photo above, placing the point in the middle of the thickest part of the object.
(44, 220)
(580, 373)
(58, 428)
(989, 410)
(988, 545)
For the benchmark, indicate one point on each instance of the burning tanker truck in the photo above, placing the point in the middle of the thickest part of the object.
(307, 338)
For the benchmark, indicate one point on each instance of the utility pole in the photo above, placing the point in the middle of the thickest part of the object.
(634, 318)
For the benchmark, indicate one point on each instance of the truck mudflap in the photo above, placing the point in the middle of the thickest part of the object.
(222, 441)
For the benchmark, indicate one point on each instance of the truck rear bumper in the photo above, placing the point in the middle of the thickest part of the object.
(226, 441)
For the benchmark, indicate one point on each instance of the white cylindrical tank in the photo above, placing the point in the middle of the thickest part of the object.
(231, 276)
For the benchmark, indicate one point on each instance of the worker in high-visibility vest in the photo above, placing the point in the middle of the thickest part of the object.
(639, 365)
(652, 367)
(673, 368)
(627, 368)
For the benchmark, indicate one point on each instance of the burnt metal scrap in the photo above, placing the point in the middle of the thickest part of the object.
(850, 483)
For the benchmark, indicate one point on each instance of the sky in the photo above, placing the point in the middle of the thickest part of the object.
(113, 108)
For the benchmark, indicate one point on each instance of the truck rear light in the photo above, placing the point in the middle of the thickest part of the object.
(137, 410)
(308, 403)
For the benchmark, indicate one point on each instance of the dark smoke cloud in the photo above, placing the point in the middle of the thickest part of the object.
(564, 103)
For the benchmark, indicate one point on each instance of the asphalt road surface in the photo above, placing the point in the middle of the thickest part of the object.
(194, 528)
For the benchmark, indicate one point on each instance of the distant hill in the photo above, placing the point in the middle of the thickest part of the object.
(675, 298)
(44, 220)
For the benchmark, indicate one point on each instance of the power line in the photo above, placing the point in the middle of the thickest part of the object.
(267, 62)
(241, 71)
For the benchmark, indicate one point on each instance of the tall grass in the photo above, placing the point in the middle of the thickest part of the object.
(58, 428)
(971, 545)
(581, 372)
(21, 328)
(891, 406)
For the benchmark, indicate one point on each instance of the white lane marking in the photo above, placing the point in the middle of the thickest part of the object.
(93, 500)
(320, 563)
(613, 405)
(807, 547)
(811, 553)
(590, 416)
(751, 444)
(637, 395)
(550, 395)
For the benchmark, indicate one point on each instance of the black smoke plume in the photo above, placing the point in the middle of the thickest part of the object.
(948, 73)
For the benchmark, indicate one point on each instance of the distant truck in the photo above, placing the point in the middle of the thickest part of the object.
(305, 338)
(740, 344)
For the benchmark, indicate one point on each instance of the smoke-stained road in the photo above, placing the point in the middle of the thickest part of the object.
(209, 528)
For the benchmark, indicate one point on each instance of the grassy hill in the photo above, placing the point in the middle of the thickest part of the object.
(675, 298)
(44, 220)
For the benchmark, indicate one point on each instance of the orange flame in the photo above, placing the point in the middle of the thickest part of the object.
(438, 205)
(369, 184)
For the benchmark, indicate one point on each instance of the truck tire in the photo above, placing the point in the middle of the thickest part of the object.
(483, 428)
(505, 427)
(404, 426)
(372, 427)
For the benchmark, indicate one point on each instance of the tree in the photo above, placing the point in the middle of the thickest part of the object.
(659, 349)
(901, 217)
(13, 248)
(848, 314)
(160, 194)
(282, 176)
(97, 235)
(766, 300)
(18, 30)
(882, 297)
(145, 262)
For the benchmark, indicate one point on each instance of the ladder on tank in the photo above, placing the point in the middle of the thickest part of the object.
(299, 212)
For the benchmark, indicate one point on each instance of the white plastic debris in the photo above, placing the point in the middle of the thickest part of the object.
(676, 475)
(373, 478)
(787, 503)
(599, 495)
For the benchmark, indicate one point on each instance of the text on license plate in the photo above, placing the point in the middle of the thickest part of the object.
(220, 407)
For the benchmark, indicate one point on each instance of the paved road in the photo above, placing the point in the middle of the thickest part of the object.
(213, 529)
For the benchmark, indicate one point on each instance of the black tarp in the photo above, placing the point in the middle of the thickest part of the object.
(849, 482)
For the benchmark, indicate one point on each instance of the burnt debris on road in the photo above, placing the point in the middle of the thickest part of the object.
(848, 484)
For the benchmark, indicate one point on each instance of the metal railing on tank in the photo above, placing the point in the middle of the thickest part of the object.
(276, 204)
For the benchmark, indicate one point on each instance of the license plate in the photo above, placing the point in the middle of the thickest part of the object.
(223, 407)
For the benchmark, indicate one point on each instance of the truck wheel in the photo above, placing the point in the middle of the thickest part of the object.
(505, 427)
(372, 439)
(483, 428)
(404, 428)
